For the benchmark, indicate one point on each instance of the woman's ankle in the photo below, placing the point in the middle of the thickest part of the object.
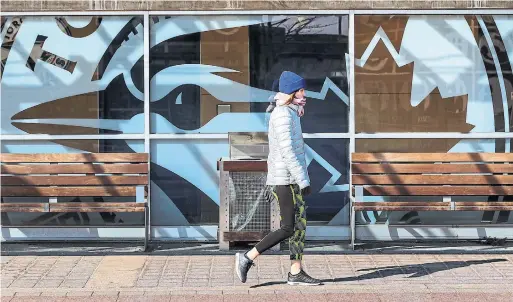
(251, 254)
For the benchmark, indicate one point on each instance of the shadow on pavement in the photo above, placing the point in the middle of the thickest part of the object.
(414, 271)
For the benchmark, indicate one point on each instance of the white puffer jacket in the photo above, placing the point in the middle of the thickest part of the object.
(286, 163)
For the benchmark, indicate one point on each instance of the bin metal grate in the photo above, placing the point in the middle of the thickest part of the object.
(249, 211)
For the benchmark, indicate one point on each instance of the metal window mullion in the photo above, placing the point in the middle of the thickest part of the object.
(351, 121)
(147, 130)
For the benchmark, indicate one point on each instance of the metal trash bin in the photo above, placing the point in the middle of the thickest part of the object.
(244, 214)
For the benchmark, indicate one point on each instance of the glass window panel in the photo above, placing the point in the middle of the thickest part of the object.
(72, 75)
(200, 62)
(433, 73)
(185, 181)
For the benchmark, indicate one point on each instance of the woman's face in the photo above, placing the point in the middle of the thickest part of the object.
(300, 94)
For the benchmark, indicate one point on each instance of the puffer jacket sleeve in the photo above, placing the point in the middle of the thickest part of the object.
(284, 128)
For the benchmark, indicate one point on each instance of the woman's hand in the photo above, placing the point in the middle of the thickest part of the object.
(306, 191)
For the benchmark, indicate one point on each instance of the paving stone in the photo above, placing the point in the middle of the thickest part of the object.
(146, 299)
(209, 292)
(28, 294)
(360, 297)
(147, 283)
(8, 292)
(488, 297)
(53, 293)
(131, 293)
(88, 299)
(157, 293)
(81, 293)
(203, 298)
(249, 298)
(109, 293)
(127, 269)
(48, 283)
(295, 296)
(38, 299)
(235, 292)
(6, 282)
(182, 292)
(73, 283)
(24, 283)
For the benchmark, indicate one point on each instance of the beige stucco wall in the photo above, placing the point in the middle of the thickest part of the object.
(159, 5)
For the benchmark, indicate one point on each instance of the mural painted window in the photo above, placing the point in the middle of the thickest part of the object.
(72, 219)
(433, 73)
(185, 181)
(72, 75)
(215, 74)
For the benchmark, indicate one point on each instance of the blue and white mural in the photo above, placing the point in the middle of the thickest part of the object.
(84, 75)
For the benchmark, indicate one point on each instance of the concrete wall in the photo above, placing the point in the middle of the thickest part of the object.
(156, 5)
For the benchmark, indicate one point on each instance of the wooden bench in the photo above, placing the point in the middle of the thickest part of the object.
(430, 174)
(76, 175)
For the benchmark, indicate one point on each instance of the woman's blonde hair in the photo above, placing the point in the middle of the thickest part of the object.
(290, 99)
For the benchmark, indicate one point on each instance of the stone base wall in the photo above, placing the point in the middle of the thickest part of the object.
(170, 5)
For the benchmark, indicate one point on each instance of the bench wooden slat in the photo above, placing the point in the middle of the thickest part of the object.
(484, 203)
(431, 168)
(433, 179)
(75, 158)
(404, 203)
(439, 190)
(23, 207)
(362, 207)
(73, 180)
(98, 204)
(432, 157)
(484, 208)
(64, 207)
(67, 191)
(96, 210)
(76, 169)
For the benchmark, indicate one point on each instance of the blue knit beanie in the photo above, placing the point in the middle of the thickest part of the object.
(291, 82)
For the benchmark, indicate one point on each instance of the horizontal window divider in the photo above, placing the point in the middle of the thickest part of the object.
(75, 13)
(254, 12)
(189, 136)
(438, 11)
(391, 135)
(37, 137)
(435, 135)
(326, 135)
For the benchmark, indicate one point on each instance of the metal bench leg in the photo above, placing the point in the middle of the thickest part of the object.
(353, 227)
(146, 229)
(358, 197)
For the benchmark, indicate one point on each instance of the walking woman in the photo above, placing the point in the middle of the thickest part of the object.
(287, 178)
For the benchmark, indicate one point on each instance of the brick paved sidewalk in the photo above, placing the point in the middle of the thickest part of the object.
(212, 278)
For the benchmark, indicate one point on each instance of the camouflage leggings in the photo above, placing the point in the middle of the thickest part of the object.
(293, 221)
